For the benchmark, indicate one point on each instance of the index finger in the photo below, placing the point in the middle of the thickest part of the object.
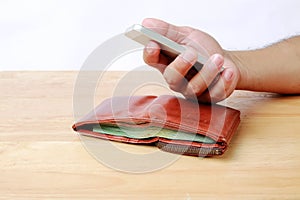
(175, 33)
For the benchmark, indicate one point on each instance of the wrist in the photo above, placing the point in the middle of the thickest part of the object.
(236, 59)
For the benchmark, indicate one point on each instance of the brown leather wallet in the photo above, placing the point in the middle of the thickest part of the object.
(173, 124)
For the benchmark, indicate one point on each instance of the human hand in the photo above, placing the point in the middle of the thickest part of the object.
(202, 85)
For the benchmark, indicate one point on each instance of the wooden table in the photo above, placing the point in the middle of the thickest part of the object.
(41, 157)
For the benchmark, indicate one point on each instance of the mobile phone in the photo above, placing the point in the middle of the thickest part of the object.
(169, 48)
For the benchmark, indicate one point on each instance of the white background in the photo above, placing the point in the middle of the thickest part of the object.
(60, 34)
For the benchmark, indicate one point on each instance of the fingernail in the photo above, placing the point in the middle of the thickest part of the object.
(218, 60)
(151, 47)
(228, 74)
(169, 74)
(189, 56)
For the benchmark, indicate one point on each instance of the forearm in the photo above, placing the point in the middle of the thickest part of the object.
(273, 69)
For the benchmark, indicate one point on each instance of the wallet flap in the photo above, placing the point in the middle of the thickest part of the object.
(166, 111)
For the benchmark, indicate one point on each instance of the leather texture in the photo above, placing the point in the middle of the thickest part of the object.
(214, 121)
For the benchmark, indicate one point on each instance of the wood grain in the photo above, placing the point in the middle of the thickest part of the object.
(42, 158)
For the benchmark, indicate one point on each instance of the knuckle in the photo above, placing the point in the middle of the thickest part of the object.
(172, 77)
(150, 59)
(194, 89)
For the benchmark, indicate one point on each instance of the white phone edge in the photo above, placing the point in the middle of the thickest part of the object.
(143, 35)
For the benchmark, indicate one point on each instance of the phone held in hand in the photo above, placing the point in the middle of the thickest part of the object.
(168, 47)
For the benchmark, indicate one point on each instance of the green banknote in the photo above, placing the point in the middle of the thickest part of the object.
(148, 132)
